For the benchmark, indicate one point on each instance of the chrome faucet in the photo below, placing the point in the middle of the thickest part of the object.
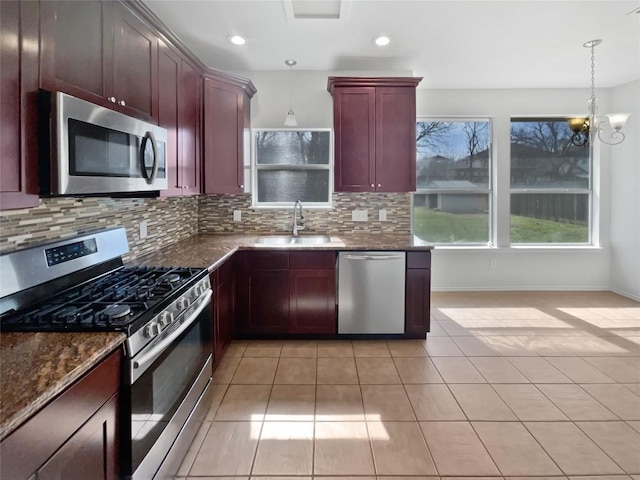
(296, 227)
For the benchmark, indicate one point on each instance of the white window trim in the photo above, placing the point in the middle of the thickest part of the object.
(281, 205)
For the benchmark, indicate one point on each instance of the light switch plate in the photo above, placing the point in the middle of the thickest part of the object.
(237, 215)
(382, 214)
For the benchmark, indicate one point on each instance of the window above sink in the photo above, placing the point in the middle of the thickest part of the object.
(290, 165)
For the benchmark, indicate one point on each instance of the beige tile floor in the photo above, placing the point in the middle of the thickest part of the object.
(507, 385)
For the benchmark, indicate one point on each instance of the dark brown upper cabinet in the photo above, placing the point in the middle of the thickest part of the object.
(227, 119)
(179, 86)
(374, 123)
(18, 88)
(101, 52)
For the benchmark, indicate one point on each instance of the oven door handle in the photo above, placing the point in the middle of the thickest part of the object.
(151, 354)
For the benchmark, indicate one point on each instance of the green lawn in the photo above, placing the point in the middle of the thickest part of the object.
(441, 227)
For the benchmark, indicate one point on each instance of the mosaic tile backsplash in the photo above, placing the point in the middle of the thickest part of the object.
(173, 219)
(216, 215)
(168, 220)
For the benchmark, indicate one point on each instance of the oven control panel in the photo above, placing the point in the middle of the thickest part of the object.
(64, 253)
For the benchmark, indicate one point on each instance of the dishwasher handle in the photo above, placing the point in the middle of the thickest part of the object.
(373, 257)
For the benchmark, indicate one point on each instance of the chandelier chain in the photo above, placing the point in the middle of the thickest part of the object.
(593, 70)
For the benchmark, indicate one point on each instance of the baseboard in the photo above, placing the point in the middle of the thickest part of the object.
(527, 288)
(626, 294)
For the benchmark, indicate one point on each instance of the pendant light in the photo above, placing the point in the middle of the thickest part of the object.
(585, 129)
(290, 121)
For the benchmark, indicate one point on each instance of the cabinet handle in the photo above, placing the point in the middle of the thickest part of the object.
(112, 99)
(122, 104)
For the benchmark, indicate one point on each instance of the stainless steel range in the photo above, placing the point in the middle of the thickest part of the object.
(81, 284)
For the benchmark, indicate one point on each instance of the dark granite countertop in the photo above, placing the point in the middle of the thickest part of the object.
(36, 367)
(209, 251)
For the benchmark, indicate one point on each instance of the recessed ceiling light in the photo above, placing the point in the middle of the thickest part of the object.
(382, 41)
(236, 39)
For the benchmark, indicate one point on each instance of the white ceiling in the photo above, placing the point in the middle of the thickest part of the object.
(451, 43)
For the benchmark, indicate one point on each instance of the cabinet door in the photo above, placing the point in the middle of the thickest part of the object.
(169, 67)
(223, 142)
(418, 301)
(189, 128)
(90, 452)
(312, 301)
(77, 49)
(135, 66)
(395, 159)
(224, 308)
(268, 301)
(18, 86)
(354, 130)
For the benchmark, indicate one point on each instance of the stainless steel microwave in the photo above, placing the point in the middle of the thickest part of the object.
(86, 149)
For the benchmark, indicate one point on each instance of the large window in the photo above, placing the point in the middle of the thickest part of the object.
(292, 165)
(453, 199)
(550, 183)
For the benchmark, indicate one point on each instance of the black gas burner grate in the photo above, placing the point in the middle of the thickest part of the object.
(111, 302)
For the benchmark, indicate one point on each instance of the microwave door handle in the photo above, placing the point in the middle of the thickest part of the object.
(149, 136)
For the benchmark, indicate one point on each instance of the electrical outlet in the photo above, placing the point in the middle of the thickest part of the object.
(359, 215)
(143, 229)
(382, 214)
(237, 215)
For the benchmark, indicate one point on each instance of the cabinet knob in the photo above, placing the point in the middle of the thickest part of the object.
(379, 185)
(121, 103)
(241, 186)
(372, 185)
(112, 99)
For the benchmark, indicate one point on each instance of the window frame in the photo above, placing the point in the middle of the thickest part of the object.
(255, 168)
(554, 191)
(489, 191)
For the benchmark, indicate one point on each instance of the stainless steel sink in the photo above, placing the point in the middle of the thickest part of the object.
(294, 240)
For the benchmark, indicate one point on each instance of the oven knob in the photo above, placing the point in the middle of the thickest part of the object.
(165, 319)
(152, 330)
(183, 303)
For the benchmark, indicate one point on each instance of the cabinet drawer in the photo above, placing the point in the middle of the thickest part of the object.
(267, 259)
(418, 259)
(311, 260)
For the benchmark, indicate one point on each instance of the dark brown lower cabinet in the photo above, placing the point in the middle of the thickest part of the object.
(74, 436)
(418, 296)
(90, 452)
(286, 293)
(223, 283)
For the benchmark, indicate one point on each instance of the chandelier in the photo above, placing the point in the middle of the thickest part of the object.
(586, 128)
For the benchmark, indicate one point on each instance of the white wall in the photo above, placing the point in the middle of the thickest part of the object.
(586, 268)
(625, 195)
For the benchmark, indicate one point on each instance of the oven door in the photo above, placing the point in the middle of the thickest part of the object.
(166, 386)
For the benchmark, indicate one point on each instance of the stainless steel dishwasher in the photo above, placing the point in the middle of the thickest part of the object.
(371, 292)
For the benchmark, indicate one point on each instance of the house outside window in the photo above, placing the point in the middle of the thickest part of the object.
(292, 165)
(550, 184)
(452, 203)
